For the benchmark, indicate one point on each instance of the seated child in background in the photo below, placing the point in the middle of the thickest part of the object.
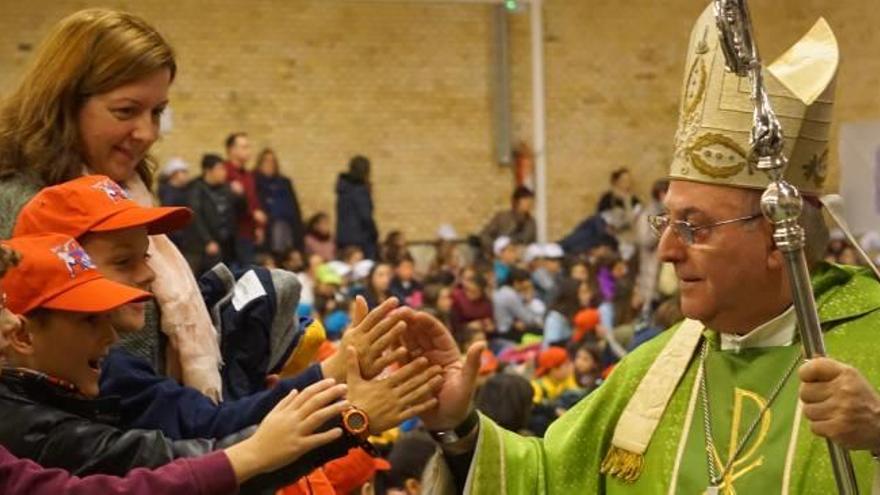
(404, 285)
(408, 458)
(554, 382)
(507, 398)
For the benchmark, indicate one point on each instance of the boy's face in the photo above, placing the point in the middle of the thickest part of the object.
(216, 174)
(70, 346)
(405, 270)
(121, 256)
(561, 372)
(584, 362)
(509, 255)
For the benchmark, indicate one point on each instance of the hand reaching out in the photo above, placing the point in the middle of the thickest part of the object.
(376, 338)
(391, 400)
(427, 337)
(289, 430)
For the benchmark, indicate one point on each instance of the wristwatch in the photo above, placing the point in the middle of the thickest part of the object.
(356, 423)
(464, 429)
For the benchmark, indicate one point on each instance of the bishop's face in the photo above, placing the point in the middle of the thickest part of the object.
(731, 277)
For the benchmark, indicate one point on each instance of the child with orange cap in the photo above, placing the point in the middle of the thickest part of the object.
(115, 228)
(56, 329)
(554, 378)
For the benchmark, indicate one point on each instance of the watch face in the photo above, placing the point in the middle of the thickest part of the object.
(356, 421)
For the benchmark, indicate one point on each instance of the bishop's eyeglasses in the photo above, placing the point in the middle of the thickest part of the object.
(687, 231)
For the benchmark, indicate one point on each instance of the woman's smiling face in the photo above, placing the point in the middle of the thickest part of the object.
(117, 128)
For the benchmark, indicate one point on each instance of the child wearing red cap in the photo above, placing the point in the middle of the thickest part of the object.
(55, 330)
(554, 375)
(115, 229)
(553, 384)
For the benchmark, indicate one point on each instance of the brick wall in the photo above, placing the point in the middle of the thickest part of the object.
(408, 84)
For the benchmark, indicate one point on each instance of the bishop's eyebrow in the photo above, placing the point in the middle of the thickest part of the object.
(687, 212)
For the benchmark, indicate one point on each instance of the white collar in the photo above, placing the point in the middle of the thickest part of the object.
(777, 332)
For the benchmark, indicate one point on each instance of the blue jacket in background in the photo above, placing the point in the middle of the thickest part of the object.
(354, 217)
(279, 201)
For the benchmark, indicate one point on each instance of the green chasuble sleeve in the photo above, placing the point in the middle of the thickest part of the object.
(568, 459)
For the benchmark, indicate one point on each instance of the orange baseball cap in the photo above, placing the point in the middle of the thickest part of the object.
(550, 358)
(93, 203)
(56, 273)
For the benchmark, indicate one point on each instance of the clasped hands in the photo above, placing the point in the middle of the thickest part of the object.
(400, 363)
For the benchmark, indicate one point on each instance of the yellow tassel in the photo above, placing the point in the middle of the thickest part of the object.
(622, 464)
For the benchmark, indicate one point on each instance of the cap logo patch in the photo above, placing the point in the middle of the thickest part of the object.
(111, 189)
(74, 257)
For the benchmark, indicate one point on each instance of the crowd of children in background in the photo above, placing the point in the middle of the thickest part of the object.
(556, 316)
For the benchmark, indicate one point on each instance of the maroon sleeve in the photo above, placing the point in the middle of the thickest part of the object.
(206, 475)
(250, 190)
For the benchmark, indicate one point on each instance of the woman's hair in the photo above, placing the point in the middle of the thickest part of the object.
(314, 220)
(617, 174)
(371, 288)
(359, 169)
(8, 259)
(262, 156)
(88, 53)
(566, 301)
(432, 294)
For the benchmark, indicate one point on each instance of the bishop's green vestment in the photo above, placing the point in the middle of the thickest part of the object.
(774, 460)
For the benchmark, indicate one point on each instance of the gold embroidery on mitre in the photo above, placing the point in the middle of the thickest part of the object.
(717, 156)
(816, 170)
(695, 88)
(703, 45)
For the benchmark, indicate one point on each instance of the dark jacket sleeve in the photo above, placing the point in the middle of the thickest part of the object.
(296, 221)
(199, 226)
(84, 447)
(207, 475)
(490, 232)
(151, 401)
(363, 207)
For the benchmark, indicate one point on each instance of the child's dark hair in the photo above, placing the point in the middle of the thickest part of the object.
(403, 258)
(507, 399)
(519, 275)
(348, 251)
(231, 138)
(432, 293)
(617, 174)
(209, 161)
(312, 223)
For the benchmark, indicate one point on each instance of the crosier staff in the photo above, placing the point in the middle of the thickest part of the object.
(781, 202)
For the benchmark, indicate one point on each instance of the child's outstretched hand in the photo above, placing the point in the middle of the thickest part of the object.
(389, 401)
(289, 430)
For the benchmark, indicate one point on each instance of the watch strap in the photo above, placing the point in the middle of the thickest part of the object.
(462, 430)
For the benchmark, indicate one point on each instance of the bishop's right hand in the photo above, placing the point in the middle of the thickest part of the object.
(427, 336)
